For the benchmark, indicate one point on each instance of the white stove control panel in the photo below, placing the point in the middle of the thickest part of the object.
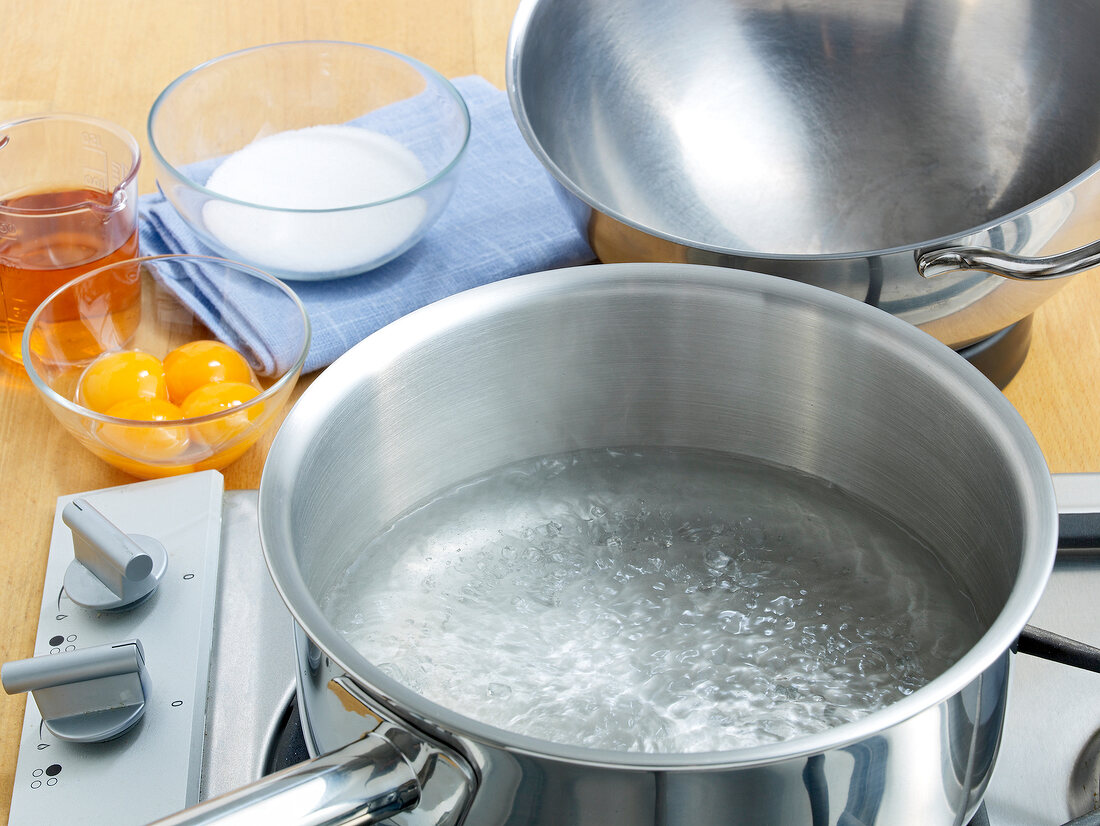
(153, 768)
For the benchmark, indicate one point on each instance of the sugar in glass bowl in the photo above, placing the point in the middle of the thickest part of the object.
(311, 160)
(168, 364)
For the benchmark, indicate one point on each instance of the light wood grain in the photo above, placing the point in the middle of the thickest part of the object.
(111, 59)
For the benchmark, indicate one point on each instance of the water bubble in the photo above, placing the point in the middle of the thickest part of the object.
(681, 620)
(716, 558)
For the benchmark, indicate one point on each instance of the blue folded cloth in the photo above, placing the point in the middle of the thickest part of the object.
(504, 219)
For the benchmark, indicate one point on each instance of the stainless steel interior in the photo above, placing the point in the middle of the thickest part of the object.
(813, 128)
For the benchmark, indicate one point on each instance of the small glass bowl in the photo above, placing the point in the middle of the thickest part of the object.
(152, 306)
(360, 148)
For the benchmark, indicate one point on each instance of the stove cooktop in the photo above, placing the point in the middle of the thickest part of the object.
(1048, 769)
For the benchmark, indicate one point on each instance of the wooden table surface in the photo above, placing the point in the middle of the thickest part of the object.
(111, 59)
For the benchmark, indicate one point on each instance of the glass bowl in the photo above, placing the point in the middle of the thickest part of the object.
(311, 160)
(106, 351)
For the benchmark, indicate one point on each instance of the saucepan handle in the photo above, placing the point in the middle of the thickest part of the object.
(362, 783)
(931, 263)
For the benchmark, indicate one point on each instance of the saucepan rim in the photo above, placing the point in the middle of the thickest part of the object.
(1004, 425)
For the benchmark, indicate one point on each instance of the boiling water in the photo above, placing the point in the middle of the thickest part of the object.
(660, 601)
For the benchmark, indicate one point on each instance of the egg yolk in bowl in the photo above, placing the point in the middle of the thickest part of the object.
(196, 379)
(216, 397)
(154, 444)
(118, 376)
(191, 365)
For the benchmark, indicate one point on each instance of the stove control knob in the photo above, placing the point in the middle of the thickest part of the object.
(112, 570)
(87, 695)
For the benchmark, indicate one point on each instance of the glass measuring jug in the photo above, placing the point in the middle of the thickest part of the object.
(68, 204)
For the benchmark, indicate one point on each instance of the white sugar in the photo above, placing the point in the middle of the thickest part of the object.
(319, 168)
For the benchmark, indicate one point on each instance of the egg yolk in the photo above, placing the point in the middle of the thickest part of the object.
(191, 365)
(216, 397)
(116, 377)
(150, 444)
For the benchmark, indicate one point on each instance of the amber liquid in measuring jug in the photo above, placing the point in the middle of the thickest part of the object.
(44, 257)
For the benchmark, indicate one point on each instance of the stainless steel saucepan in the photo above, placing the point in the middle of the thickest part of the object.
(648, 355)
(852, 145)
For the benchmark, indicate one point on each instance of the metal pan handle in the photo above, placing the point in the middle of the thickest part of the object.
(951, 259)
(362, 783)
(389, 770)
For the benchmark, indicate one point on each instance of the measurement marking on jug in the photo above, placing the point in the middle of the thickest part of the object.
(94, 179)
(95, 166)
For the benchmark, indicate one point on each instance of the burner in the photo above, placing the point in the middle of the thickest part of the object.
(1000, 356)
(1048, 765)
(288, 748)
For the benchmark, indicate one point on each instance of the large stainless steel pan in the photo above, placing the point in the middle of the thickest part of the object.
(649, 354)
(849, 144)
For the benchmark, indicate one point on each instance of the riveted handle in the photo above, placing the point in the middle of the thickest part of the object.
(365, 782)
(932, 263)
